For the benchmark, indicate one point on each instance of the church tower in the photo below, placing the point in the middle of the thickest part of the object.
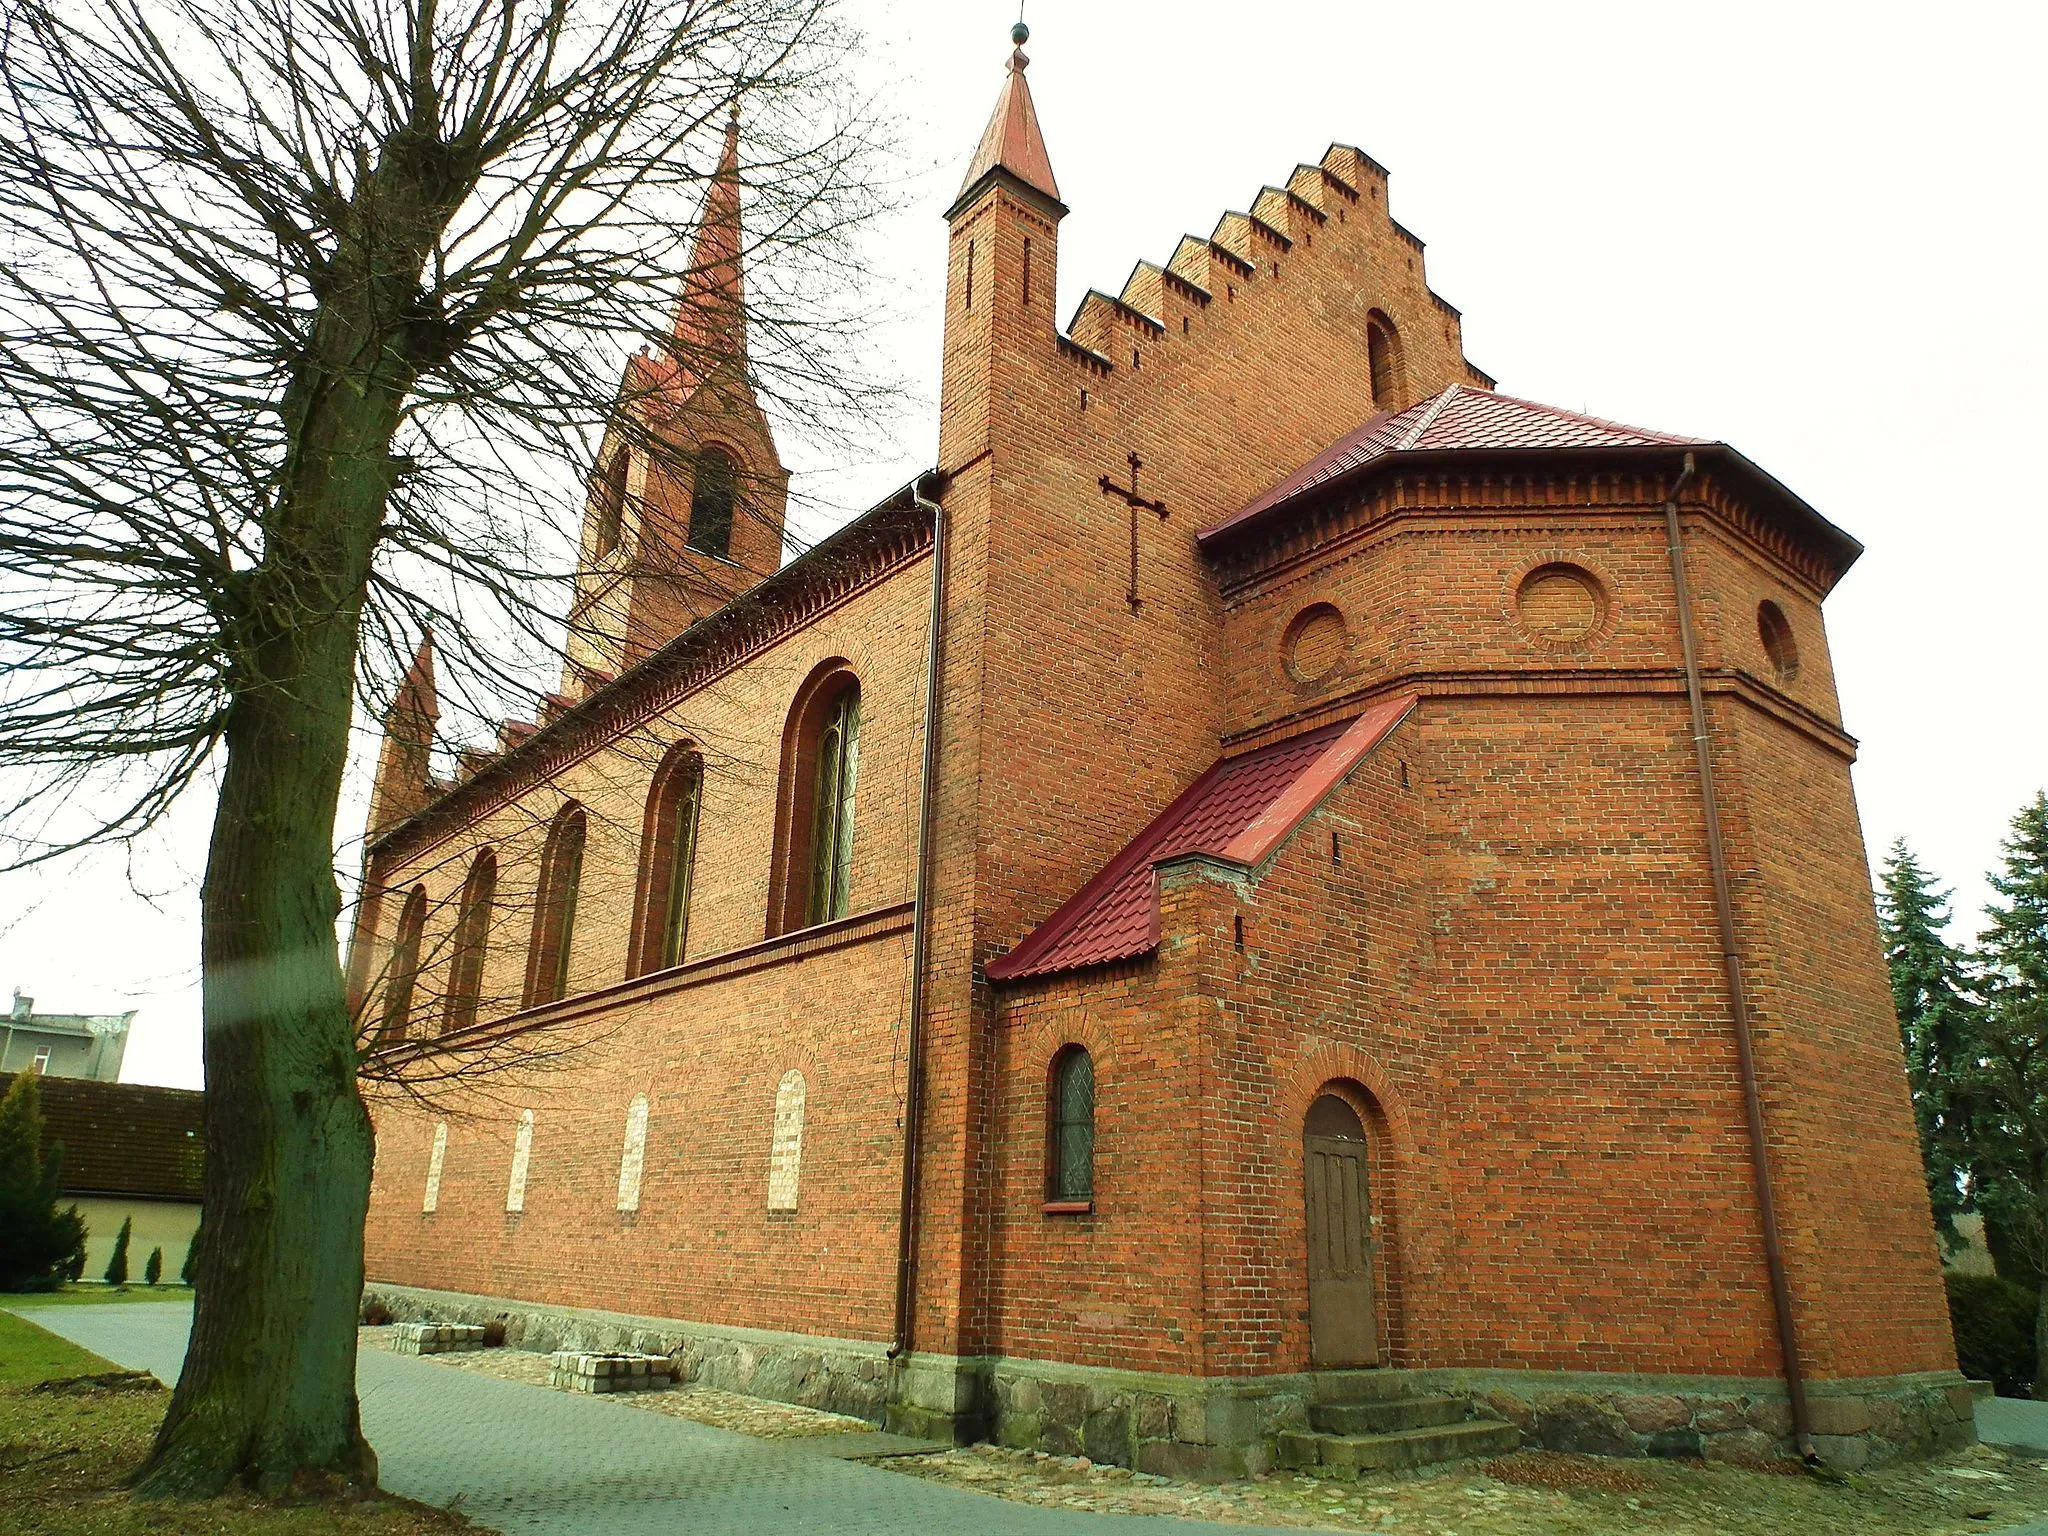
(685, 508)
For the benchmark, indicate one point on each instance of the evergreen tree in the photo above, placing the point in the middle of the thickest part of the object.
(1937, 1015)
(37, 1240)
(190, 1267)
(2009, 1082)
(117, 1266)
(153, 1267)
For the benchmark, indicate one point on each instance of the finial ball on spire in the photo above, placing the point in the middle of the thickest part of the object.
(1020, 34)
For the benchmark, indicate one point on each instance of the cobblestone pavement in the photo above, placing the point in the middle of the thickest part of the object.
(561, 1464)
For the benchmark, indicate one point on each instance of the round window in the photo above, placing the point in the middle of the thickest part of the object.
(1560, 604)
(1775, 630)
(1314, 643)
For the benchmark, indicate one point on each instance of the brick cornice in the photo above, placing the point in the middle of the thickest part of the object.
(1528, 482)
(855, 558)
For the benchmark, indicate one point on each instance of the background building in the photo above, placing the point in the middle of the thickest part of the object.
(63, 1044)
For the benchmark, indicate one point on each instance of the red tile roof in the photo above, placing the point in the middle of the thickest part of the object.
(1239, 811)
(124, 1138)
(1462, 417)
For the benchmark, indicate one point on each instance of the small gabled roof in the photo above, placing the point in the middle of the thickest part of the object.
(1462, 417)
(1238, 811)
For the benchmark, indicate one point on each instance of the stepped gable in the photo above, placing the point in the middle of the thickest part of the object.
(1238, 811)
(1013, 142)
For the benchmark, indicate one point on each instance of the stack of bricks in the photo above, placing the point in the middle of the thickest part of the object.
(436, 1338)
(574, 1372)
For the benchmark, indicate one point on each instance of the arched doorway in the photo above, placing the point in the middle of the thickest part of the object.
(1342, 1326)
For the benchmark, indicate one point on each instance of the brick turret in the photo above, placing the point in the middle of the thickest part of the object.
(404, 784)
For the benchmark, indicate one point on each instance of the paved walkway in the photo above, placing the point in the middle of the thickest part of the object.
(520, 1459)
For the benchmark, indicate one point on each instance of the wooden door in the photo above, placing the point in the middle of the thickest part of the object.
(1342, 1327)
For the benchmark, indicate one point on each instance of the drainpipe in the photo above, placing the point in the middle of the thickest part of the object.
(1738, 998)
(920, 928)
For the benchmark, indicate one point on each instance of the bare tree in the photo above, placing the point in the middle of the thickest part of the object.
(312, 313)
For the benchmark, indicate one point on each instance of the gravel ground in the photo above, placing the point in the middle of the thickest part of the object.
(1540, 1494)
(1529, 1494)
(754, 1416)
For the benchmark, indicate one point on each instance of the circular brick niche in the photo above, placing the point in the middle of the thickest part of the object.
(1775, 630)
(1314, 643)
(1560, 603)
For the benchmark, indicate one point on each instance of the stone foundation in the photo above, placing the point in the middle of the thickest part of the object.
(1189, 1426)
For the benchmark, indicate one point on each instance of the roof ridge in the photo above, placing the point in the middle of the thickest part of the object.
(1426, 420)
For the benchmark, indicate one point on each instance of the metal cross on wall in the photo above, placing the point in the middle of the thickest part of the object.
(1134, 501)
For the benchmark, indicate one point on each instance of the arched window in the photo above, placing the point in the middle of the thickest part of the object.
(634, 1158)
(554, 908)
(786, 1152)
(821, 771)
(1070, 1171)
(668, 854)
(472, 933)
(611, 501)
(522, 1157)
(1383, 357)
(1775, 630)
(711, 502)
(403, 980)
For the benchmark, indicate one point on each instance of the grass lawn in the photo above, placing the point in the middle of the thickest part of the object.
(65, 1452)
(86, 1294)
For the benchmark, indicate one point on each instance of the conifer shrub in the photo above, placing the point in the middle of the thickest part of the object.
(1994, 1326)
(153, 1267)
(40, 1245)
(117, 1266)
(190, 1267)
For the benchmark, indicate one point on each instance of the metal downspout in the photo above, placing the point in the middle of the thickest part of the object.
(1738, 998)
(920, 930)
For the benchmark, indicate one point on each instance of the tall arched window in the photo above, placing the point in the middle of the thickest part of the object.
(821, 772)
(1383, 358)
(1070, 1160)
(711, 502)
(472, 933)
(403, 980)
(668, 855)
(611, 501)
(554, 908)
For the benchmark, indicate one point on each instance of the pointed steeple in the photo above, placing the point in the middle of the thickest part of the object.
(403, 784)
(1012, 144)
(711, 320)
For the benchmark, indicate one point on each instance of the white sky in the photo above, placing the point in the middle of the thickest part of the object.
(1812, 231)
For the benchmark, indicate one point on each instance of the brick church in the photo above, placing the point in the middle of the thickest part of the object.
(1277, 905)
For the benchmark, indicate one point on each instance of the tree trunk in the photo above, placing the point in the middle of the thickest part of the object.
(267, 1396)
(2041, 1344)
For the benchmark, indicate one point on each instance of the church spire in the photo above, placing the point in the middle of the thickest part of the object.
(403, 783)
(1012, 143)
(711, 320)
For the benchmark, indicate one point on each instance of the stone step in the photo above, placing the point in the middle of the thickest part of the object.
(1385, 1417)
(1346, 1456)
(1362, 1386)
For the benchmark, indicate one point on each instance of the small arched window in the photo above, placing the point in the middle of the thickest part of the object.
(554, 908)
(1383, 358)
(611, 501)
(814, 832)
(786, 1152)
(1070, 1172)
(711, 502)
(472, 934)
(634, 1158)
(668, 855)
(404, 978)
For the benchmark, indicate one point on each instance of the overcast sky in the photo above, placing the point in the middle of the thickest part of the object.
(1812, 231)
